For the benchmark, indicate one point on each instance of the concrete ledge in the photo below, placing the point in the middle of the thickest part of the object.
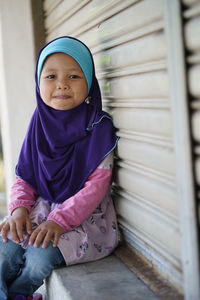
(105, 279)
(148, 273)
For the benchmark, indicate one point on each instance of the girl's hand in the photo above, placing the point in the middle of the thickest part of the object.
(16, 223)
(46, 232)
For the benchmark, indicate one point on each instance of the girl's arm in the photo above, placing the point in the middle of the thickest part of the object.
(75, 210)
(22, 195)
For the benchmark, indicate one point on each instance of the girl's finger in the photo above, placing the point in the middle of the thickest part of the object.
(33, 236)
(13, 232)
(1, 225)
(48, 237)
(19, 230)
(56, 239)
(39, 238)
(4, 231)
(28, 226)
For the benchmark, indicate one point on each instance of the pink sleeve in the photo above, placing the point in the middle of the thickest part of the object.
(22, 194)
(72, 212)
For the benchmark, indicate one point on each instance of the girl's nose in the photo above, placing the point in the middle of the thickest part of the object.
(62, 85)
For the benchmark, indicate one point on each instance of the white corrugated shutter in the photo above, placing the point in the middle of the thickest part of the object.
(191, 15)
(192, 38)
(128, 42)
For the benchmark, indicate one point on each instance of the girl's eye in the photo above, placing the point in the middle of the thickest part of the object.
(73, 76)
(50, 76)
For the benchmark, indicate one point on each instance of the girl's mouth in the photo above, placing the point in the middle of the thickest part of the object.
(61, 97)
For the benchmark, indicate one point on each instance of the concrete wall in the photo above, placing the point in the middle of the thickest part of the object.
(17, 79)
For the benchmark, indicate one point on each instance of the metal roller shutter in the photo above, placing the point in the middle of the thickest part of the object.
(192, 39)
(191, 16)
(130, 53)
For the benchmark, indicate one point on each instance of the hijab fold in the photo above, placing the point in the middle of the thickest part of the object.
(63, 147)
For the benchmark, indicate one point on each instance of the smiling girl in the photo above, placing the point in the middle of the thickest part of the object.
(60, 212)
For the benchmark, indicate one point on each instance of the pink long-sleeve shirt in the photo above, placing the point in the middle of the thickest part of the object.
(75, 210)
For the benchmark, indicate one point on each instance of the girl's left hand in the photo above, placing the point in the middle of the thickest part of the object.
(46, 232)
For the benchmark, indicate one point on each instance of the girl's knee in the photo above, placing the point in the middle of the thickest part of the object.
(39, 263)
(11, 252)
(38, 259)
(11, 259)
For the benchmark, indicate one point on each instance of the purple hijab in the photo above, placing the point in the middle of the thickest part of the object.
(63, 147)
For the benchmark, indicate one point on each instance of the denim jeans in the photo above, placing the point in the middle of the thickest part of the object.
(22, 271)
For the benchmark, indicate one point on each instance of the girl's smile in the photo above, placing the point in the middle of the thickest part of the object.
(61, 97)
(62, 84)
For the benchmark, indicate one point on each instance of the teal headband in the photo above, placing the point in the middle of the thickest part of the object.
(71, 47)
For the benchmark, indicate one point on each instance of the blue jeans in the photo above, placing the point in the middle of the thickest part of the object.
(22, 271)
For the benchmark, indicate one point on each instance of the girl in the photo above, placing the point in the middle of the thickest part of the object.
(60, 210)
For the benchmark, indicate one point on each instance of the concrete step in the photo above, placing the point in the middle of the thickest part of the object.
(105, 279)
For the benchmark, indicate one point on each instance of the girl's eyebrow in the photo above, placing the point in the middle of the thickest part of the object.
(54, 69)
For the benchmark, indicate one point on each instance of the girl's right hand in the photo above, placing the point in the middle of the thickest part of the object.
(16, 224)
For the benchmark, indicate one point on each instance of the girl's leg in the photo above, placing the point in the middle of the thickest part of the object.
(11, 259)
(38, 265)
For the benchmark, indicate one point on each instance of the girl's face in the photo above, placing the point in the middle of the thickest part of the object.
(62, 83)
